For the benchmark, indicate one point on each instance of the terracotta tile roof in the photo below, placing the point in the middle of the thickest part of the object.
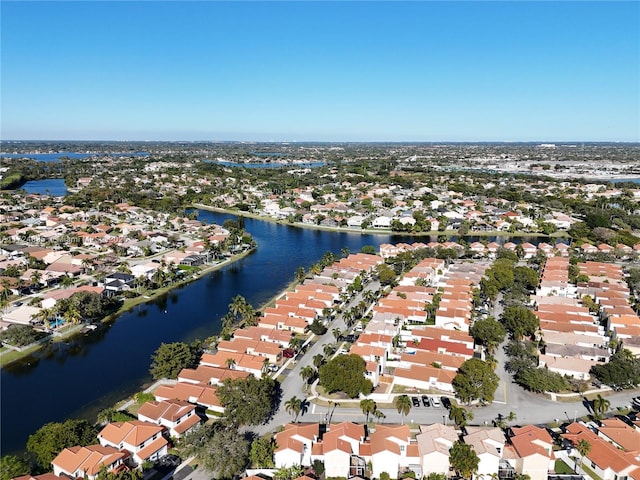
(133, 432)
(602, 453)
(621, 433)
(89, 459)
(170, 410)
(152, 448)
(531, 440)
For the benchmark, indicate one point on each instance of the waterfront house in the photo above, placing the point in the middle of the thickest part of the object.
(86, 462)
(143, 440)
(178, 416)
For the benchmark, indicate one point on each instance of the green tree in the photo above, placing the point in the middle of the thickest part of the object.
(386, 275)
(520, 321)
(475, 380)
(249, 401)
(463, 459)
(488, 332)
(345, 373)
(128, 474)
(600, 407)
(540, 380)
(293, 406)
(225, 453)
(583, 447)
(170, 358)
(403, 405)
(300, 274)
(52, 438)
(622, 370)
(369, 249)
(261, 454)
(368, 406)
(12, 466)
(21, 335)
(460, 416)
(307, 373)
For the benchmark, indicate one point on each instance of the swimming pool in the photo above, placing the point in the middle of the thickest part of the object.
(57, 322)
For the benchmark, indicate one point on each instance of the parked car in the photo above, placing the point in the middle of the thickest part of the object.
(415, 401)
(425, 401)
(435, 401)
(288, 353)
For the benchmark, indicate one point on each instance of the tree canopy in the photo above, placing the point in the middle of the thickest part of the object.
(170, 358)
(249, 401)
(520, 321)
(475, 380)
(12, 466)
(220, 449)
(345, 373)
(622, 371)
(488, 332)
(52, 438)
(463, 459)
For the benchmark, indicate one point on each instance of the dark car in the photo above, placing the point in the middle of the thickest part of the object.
(415, 401)
(425, 401)
(288, 353)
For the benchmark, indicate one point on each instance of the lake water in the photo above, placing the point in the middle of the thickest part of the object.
(55, 157)
(49, 186)
(81, 377)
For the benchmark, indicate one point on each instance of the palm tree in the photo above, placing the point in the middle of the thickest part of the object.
(368, 406)
(293, 406)
(379, 414)
(307, 373)
(35, 278)
(318, 360)
(66, 281)
(460, 416)
(403, 405)
(600, 407)
(336, 333)
(72, 315)
(329, 349)
(583, 447)
(230, 363)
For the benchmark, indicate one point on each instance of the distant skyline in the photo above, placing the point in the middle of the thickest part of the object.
(320, 71)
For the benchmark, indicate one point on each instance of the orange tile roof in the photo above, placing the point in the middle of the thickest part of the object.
(133, 432)
(89, 459)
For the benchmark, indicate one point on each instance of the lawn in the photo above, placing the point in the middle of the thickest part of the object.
(561, 467)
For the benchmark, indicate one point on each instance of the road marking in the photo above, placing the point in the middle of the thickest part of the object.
(498, 401)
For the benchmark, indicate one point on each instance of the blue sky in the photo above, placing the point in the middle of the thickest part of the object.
(321, 71)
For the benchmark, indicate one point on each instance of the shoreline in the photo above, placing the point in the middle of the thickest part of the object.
(377, 231)
(128, 304)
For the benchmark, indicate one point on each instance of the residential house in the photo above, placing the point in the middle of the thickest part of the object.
(143, 440)
(530, 452)
(86, 462)
(178, 416)
(294, 444)
(434, 442)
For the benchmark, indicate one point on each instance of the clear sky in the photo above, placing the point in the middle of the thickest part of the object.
(321, 71)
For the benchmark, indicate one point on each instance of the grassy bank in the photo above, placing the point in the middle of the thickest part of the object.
(8, 356)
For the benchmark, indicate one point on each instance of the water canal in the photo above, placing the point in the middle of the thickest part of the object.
(79, 378)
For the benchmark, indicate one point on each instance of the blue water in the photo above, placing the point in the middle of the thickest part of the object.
(625, 180)
(49, 186)
(57, 322)
(55, 157)
(81, 377)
